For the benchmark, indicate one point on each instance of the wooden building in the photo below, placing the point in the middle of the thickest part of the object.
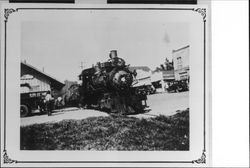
(34, 80)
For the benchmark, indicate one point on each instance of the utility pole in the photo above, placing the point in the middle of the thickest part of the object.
(82, 64)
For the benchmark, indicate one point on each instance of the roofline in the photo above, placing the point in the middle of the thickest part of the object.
(180, 49)
(140, 67)
(49, 76)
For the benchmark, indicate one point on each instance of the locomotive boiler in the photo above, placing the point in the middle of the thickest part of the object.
(108, 87)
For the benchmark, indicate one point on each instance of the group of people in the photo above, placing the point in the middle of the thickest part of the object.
(49, 102)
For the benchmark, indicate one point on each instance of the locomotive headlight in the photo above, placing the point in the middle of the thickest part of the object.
(123, 79)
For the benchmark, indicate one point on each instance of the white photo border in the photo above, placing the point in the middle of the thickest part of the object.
(7, 160)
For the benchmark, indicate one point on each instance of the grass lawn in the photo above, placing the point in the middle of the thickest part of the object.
(110, 133)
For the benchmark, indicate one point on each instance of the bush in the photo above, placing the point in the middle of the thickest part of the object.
(110, 133)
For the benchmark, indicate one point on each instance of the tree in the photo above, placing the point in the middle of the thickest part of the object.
(166, 66)
(169, 65)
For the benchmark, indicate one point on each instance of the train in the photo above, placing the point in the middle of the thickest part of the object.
(107, 86)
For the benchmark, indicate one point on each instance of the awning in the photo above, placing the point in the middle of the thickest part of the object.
(141, 83)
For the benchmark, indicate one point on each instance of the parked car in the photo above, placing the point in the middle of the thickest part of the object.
(178, 86)
(32, 101)
(146, 89)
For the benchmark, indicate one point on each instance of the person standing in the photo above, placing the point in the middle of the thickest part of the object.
(59, 102)
(49, 102)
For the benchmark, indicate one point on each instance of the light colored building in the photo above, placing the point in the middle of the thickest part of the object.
(160, 79)
(34, 80)
(157, 79)
(181, 63)
(143, 76)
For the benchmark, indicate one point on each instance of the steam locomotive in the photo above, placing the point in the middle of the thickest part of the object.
(108, 87)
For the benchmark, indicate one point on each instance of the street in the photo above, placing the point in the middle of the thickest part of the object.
(167, 103)
(159, 104)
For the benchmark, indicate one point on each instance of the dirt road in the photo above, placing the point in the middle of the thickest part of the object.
(167, 103)
(58, 115)
(159, 104)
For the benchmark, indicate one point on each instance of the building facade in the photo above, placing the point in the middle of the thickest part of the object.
(34, 80)
(143, 76)
(181, 63)
(160, 79)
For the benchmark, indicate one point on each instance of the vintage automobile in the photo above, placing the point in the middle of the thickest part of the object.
(146, 89)
(178, 86)
(32, 101)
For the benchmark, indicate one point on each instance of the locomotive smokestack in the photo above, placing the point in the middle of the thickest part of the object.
(113, 54)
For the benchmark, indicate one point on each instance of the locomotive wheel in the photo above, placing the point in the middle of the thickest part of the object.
(24, 111)
(131, 110)
(122, 109)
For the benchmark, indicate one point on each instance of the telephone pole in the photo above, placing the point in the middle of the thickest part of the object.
(82, 65)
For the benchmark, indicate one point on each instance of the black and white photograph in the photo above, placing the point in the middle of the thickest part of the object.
(124, 86)
(106, 84)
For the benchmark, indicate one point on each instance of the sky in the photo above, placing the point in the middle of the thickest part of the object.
(59, 47)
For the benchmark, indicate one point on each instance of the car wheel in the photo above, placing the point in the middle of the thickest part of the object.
(24, 111)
